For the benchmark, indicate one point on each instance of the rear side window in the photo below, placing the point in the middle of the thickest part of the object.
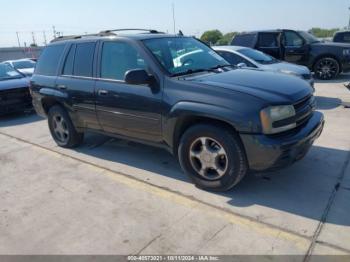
(68, 65)
(342, 37)
(83, 62)
(268, 40)
(244, 40)
(49, 60)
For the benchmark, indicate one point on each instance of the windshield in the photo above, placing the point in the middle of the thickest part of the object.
(182, 55)
(258, 56)
(308, 37)
(7, 72)
(23, 64)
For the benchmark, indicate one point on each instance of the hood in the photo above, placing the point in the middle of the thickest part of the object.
(274, 88)
(14, 83)
(284, 67)
(332, 44)
(27, 71)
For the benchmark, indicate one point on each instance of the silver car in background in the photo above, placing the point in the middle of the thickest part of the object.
(248, 57)
(25, 66)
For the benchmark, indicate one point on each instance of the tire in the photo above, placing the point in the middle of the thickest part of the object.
(326, 68)
(62, 129)
(231, 163)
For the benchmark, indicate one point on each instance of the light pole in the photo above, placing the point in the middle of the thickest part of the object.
(349, 21)
(173, 7)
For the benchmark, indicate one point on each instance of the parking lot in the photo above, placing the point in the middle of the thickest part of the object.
(115, 197)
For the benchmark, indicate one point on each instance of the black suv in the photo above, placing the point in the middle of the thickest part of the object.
(175, 92)
(326, 59)
(342, 37)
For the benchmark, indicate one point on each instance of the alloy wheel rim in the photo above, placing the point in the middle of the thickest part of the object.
(60, 128)
(326, 69)
(208, 158)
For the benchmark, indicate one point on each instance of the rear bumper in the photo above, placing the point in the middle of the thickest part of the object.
(15, 100)
(274, 152)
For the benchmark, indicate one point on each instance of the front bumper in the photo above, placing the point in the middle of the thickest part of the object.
(266, 153)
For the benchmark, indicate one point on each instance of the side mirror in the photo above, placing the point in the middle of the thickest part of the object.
(138, 77)
(242, 65)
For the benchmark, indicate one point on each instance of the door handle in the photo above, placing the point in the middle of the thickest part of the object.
(102, 92)
(62, 87)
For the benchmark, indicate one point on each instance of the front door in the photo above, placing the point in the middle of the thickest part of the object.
(295, 48)
(129, 110)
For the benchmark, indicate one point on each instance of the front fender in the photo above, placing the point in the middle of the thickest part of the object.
(184, 110)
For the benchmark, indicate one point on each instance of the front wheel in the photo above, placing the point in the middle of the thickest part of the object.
(62, 128)
(326, 68)
(213, 157)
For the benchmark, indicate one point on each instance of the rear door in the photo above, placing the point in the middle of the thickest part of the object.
(129, 110)
(77, 81)
(295, 48)
(269, 43)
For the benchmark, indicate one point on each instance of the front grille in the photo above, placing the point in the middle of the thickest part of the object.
(304, 109)
(307, 76)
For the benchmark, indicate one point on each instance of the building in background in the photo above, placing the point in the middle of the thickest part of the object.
(12, 53)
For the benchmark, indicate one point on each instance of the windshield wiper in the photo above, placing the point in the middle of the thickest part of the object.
(220, 66)
(190, 71)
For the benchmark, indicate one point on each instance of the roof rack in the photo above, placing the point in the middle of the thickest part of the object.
(151, 31)
(71, 37)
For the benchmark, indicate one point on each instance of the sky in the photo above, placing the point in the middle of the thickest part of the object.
(193, 17)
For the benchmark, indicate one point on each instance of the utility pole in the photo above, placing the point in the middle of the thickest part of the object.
(174, 22)
(349, 21)
(54, 32)
(44, 35)
(33, 36)
(19, 43)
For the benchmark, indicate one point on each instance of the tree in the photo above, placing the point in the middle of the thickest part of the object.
(323, 33)
(226, 39)
(211, 37)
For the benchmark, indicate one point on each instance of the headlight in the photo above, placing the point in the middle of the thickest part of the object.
(277, 119)
(346, 52)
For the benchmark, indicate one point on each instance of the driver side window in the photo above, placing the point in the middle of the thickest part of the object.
(292, 39)
(118, 58)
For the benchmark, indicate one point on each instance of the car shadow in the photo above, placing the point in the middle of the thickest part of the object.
(327, 103)
(303, 189)
(17, 119)
(342, 78)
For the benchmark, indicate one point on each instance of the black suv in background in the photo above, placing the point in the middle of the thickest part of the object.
(342, 37)
(175, 92)
(326, 59)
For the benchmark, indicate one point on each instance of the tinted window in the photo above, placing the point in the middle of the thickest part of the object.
(342, 37)
(24, 64)
(118, 58)
(233, 59)
(268, 40)
(84, 56)
(68, 65)
(49, 60)
(292, 39)
(244, 40)
(258, 56)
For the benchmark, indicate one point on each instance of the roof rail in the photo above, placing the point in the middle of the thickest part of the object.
(71, 37)
(152, 31)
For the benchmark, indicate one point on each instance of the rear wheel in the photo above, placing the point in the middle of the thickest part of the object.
(213, 157)
(326, 68)
(62, 128)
